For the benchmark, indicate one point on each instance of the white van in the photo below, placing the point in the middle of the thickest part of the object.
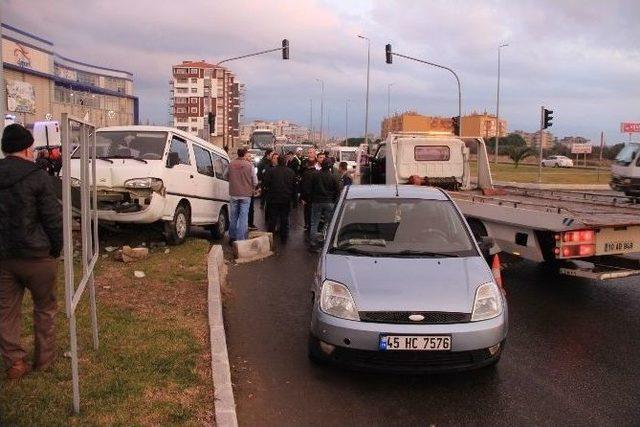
(148, 174)
(345, 154)
(625, 171)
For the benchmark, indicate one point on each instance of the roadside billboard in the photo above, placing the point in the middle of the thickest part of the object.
(21, 98)
(629, 127)
(581, 148)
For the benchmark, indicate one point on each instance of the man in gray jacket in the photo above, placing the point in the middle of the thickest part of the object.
(242, 183)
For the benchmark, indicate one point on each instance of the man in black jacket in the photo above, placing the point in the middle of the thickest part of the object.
(30, 240)
(304, 188)
(325, 190)
(279, 183)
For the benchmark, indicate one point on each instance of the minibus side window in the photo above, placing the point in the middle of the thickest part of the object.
(179, 145)
(204, 164)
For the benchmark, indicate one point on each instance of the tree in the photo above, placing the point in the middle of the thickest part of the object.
(506, 143)
(518, 154)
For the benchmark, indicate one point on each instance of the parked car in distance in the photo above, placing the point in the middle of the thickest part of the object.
(402, 285)
(155, 174)
(557, 162)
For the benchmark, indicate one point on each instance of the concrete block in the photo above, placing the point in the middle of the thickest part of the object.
(253, 249)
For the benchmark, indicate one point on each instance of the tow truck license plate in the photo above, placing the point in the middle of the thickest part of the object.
(610, 241)
(415, 342)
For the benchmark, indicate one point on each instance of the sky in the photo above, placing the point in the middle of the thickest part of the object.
(578, 58)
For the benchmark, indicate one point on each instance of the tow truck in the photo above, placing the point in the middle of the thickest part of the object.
(585, 234)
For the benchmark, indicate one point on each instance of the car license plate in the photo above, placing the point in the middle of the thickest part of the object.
(415, 342)
(610, 241)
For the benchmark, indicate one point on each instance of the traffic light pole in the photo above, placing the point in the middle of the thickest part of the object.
(438, 66)
(541, 141)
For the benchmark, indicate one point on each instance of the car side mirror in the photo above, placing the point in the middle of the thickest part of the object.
(485, 244)
(173, 159)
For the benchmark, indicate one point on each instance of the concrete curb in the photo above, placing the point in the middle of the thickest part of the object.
(570, 187)
(225, 406)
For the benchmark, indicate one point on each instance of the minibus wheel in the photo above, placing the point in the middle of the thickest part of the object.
(219, 229)
(178, 229)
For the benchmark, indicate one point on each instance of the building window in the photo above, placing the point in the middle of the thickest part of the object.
(194, 80)
(181, 119)
(194, 129)
(194, 90)
(180, 71)
(194, 100)
(181, 110)
(194, 119)
(193, 71)
(194, 109)
(183, 128)
(180, 100)
(181, 80)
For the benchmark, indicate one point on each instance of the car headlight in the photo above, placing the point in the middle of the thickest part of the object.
(154, 184)
(75, 182)
(336, 300)
(487, 303)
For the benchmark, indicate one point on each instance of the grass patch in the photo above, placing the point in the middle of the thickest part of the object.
(152, 367)
(529, 173)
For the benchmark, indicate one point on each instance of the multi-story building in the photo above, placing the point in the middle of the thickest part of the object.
(533, 138)
(483, 125)
(206, 102)
(41, 84)
(475, 124)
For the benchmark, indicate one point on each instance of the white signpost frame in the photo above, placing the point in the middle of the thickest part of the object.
(86, 141)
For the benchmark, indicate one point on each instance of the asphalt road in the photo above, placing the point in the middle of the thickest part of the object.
(571, 357)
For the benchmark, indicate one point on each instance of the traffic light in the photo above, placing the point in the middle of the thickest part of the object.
(387, 50)
(548, 116)
(455, 124)
(285, 49)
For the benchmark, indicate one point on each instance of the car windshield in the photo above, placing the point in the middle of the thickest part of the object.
(401, 227)
(348, 156)
(129, 145)
(627, 154)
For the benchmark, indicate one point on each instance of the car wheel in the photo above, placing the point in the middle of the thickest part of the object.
(220, 228)
(543, 164)
(177, 230)
(555, 165)
(314, 353)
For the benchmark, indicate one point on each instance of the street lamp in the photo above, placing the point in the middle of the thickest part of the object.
(346, 122)
(498, 103)
(366, 108)
(389, 99)
(321, 109)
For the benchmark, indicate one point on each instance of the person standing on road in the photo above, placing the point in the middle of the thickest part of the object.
(263, 165)
(345, 176)
(280, 186)
(325, 190)
(242, 182)
(251, 215)
(304, 188)
(30, 242)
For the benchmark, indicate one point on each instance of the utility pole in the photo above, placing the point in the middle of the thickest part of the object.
(389, 99)
(321, 109)
(498, 105)
(311, 120)
(541, 142)
(366, 107)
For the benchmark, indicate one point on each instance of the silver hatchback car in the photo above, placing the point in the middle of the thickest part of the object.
(401, 285)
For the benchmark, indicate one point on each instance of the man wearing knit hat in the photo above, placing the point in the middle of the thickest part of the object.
(30, 242)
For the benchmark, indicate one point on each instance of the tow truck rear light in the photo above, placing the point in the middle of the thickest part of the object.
(575, 244)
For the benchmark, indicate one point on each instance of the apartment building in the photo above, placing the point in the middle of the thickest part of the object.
(533, 138)
(205, 101)
(483, 125)
(475, 124)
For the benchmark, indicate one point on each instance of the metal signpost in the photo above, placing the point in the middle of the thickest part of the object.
(578, 149)
(86, 134)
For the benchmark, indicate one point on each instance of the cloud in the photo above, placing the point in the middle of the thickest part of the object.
(580, 58)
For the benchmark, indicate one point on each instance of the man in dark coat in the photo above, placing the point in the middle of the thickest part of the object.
(325, 190)
(30, 242)
(304, 188)
(279, 184)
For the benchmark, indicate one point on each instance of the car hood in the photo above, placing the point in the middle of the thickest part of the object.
(115, 173)
(409, 284)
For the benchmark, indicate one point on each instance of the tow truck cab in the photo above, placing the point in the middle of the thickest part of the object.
(625, 171)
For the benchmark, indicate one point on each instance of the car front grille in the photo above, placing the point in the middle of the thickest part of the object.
(430, 317)
(410, 360)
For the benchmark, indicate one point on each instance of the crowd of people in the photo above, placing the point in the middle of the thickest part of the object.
(283, 183)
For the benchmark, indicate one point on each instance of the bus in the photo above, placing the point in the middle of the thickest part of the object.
(262, 139)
